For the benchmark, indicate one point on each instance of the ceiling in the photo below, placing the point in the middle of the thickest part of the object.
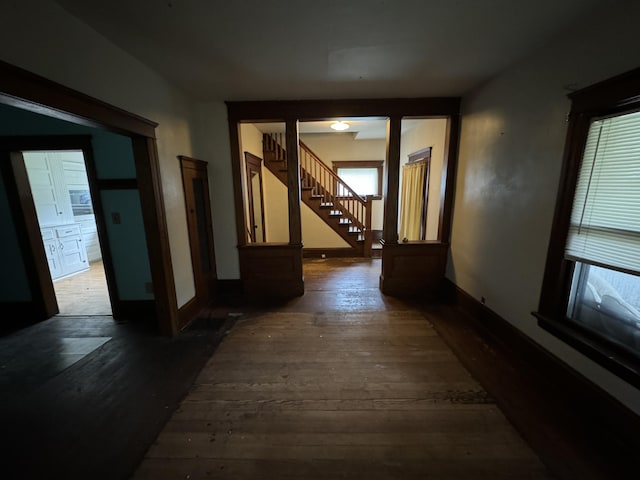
(303, 49)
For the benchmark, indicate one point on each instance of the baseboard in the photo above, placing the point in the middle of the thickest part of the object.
(189, 311)
(586, 399)
(135, 310)
(329, 253)
(229, 286)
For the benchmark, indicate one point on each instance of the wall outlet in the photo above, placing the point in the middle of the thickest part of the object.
(148, 287)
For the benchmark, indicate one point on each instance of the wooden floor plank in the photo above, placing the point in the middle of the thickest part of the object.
(344, 394)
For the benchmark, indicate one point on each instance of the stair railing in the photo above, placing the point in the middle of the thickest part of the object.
(315, 174)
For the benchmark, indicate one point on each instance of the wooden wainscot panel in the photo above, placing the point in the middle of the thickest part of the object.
(271, 271)
(413, 269)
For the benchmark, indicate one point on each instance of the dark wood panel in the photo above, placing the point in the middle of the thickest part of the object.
(322, 109)
(599, 434)
(28, 91)
(413, 269)
(271, 270)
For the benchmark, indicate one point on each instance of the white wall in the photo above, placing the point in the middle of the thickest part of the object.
(39, 36)
(427, 133)
(315, 233)
(513, 133)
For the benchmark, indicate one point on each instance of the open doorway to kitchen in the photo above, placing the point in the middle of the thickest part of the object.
(66, 218)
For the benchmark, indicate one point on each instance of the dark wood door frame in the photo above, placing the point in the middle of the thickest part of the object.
(204, 281)
(26, 221)
(423, 155)
(392, 280)
(254, 164)
(25, 90)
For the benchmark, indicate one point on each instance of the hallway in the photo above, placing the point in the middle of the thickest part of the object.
(340, 383)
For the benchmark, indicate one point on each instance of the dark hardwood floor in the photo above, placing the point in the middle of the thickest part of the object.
(86, 397)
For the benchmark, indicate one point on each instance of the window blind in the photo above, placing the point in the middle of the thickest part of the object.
(605, 218)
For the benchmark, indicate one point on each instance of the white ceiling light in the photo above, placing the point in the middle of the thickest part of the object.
(340, 126)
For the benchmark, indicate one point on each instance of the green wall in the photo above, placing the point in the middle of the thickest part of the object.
(113, 156)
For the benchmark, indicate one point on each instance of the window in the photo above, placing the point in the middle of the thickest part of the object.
(364, 177)
(591, 291)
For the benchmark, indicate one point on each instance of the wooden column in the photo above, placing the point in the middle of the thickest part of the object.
(448, 178)
(392, 185)
(293, 182)
(238, 185)
(368, 234)
(157, 235)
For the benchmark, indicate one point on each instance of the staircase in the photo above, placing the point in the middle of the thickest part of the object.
(335, 202)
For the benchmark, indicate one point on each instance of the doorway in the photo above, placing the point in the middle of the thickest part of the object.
(255, 198)
(62, 198)
(195, 181)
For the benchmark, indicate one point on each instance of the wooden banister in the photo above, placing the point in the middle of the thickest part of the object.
(324, 182)
(331, 173)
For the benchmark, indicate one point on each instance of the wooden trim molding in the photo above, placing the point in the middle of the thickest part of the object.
(189, 311)
(291, 112)
(272, 111)
(28, 91)
(615, 96)
(23, 212)
(614, 428)
(391, 188)
(157, 234)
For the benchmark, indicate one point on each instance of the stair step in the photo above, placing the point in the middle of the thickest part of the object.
(335, 213)
(354, 230)
(345, 221)
(326, 205)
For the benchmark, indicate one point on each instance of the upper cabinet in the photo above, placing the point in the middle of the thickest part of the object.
(61, 195)
(48, 188)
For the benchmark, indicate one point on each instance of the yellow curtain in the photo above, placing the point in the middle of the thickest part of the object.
(411, 200)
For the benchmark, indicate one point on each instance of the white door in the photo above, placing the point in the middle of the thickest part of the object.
(49, 209)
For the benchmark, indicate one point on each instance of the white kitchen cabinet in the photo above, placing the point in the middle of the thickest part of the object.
(65, 250)
(60, 190)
